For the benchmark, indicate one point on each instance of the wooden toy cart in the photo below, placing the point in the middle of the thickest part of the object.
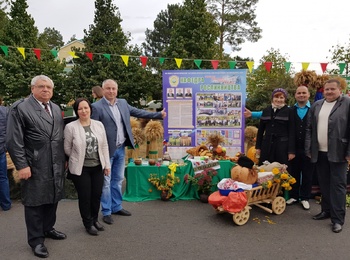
(256, 196)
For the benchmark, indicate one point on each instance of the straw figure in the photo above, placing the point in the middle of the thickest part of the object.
(154, 132)
(318, 85)
(214, 141)
(139, 139)
(250, 133)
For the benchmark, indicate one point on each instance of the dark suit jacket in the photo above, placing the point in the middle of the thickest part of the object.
(102, 112)
(338, 131)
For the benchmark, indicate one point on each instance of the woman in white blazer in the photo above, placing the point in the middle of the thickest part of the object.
(85, 143)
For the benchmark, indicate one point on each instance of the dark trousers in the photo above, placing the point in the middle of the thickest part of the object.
(89, 188)
(302, 170)
(332, 180)
(39, 220)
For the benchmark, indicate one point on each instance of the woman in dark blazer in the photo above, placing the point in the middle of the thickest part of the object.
(276, 133)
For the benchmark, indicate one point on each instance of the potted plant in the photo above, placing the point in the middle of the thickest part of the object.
(165, 183)
(203, 181)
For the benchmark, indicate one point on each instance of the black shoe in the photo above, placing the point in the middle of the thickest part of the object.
(40, 251)
(54, 234)
(98, 226)
(92, 231)
(336, 228)
(108, 219)
(321, 216)
(122, 212)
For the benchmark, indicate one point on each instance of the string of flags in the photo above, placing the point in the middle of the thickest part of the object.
(144, 59)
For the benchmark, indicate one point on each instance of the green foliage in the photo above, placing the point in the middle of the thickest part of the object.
(17, 72)
(236, 21)
(52, 38)
(341, 54)
(261, 83)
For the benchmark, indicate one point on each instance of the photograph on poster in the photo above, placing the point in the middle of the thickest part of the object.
(188, 93)
(170, 93)
(179, 93)
(180, 137)
(231, 136)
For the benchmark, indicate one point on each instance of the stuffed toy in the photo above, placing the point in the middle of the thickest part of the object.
(245, 171)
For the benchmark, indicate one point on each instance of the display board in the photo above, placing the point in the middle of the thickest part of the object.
(201, 102)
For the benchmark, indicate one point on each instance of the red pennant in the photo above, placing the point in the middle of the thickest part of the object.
(143, 61)
(37, 53)
(89, 54)
(268, 65)
(324, 66)
(215, 64)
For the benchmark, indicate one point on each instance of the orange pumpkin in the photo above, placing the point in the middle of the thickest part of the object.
(251, 154)
(243, 174)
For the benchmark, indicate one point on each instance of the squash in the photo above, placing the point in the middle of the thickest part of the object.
(251, 154)
(243, 174)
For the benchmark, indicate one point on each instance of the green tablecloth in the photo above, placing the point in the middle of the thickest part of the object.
(138, 188)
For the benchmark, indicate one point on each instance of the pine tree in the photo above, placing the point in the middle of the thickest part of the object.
(17, 71)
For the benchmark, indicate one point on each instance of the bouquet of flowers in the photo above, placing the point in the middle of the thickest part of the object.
(281, 176)
(203, 180)
(165, 183)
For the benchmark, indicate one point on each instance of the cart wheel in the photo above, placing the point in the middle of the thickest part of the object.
(278, 205)
(240, 218)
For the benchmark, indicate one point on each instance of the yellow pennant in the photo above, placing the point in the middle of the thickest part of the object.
(72, 53)
(125, 58)
(305, 65)
(178, 62)
(250, 65)
(21, 50)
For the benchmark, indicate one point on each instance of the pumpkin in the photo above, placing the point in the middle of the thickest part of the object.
(251, 154)
(243, 174)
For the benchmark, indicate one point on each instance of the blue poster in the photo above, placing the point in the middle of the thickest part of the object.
(201, 102)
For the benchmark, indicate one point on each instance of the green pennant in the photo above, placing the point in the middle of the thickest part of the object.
(108, 56)
(198, 63)
(5, 49)
(232, 64)
(287, 66)
(54, 52)
(161, 60)
(341, 67)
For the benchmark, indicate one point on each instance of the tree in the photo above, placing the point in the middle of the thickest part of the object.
(106, 36)
(52, 38)
(261, 83)
(17, 71)
(194, 34)
(236, 21)
(341, 54)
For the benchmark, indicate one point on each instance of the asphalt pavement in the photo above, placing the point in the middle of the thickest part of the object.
(160, 230)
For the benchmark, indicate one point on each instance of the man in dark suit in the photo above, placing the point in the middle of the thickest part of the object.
(115, 115)
(327, 144)
(35, 144)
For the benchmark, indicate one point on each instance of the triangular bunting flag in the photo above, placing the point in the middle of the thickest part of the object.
(215, 64)
(178, 62)
(305, 65)
(161, 60)
(54, 52)
(72, 53)
(268, 65)
(341, 67)
(125, 58)
(250, 65)
(143, 61)
(198, 63)
(324, 66)
(287, 66)
(232, 64)
(37, 53)
(5, 49)
(108, 56)
(21, 51)
(89, 55)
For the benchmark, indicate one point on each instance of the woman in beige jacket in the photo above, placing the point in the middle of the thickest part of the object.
(85, 143)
